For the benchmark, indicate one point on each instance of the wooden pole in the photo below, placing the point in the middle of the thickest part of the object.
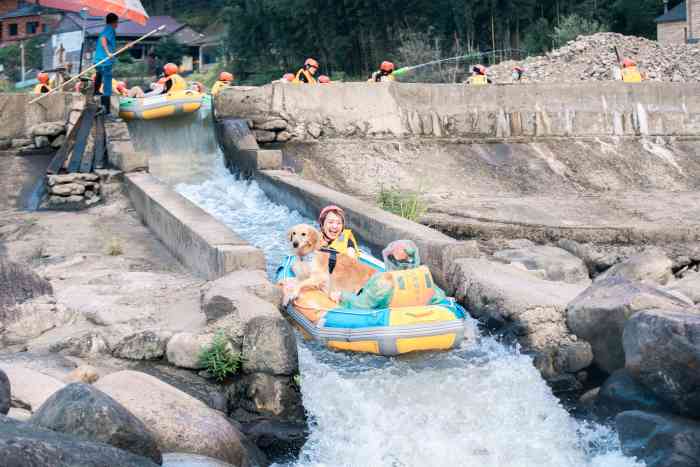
(123, 49)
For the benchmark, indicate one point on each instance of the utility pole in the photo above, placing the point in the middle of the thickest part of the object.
(83, 16)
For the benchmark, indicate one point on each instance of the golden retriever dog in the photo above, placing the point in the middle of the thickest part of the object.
(312, 268)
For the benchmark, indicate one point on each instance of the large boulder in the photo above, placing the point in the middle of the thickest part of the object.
(659, 440)
(269, 346)
(231, 293)
(598, 315)
(30, 389)
(18, 284)
(86, 412)
(276, 438)
(184, 349)
(551, 263)
(689, 286)
(26, 445)
(596, 261)
(525, 306)
(662, 350)
(142, 345)
(651, 266)
(48, 129)
(5, 393)
(266, 395)
(622, 392)
(179, 422)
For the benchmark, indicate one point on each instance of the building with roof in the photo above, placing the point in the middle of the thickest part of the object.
(65, 42)
(680, 24)
(20, 20)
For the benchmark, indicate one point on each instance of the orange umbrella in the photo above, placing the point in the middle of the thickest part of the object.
(126, 9)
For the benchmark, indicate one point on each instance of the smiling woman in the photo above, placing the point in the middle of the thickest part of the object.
(335, 235)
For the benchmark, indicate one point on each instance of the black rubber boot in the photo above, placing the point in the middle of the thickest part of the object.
(106, 108)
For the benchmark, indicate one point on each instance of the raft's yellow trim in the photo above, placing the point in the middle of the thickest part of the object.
(419, 314)
(415, 344)
(411, 287)
(357, 346)
(192, 107)
(161, 112)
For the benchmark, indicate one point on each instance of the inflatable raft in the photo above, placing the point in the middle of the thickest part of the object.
(389, 331)
(162, 106)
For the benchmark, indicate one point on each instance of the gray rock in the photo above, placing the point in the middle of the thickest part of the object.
(5, 393)
(178, 459)
(58, 141)
(283, 136)
(598, 315)
(689, 286)
(68, 189)
(266, 395)
(554, 264)
(19, 414)
(269, 346)
(65, 201)
(179, 422)
(30, 389)
(49, 129)
(263, 136)
(88, 413)
(5, 144)
(276, 124)
(21, 142)
(143, 345)
(659, 440)
(184, 348)
(26, 445)
(524, 307)
(84, 345)
(56, 366)
(277, 439)
(315, 130)
(18, 283)
(41, 142)
(620, 392)
(652, 266)
(662, 350)
(231, 293)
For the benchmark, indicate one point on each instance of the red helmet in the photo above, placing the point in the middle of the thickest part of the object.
(626, 63)
(288, 77)
(170, 69)
(387, 66)
(43, 77)
(481, 69)
(323, 79)
(518, 69)
(225, 76)
(310, 62)
(327, 210)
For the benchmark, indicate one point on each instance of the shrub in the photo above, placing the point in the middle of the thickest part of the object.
(114, 247)
(573, 26)
(218, 358)
(405, 204)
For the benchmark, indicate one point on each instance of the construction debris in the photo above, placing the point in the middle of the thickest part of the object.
(593, 58)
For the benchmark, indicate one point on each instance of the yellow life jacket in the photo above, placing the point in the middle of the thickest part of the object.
(345, 240)
(218, 86)
(42, 88)
(478, 80)
(412, 287)
(179, 83)
(309, 77)
(631, 75)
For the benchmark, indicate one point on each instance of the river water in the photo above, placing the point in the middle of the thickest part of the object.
(483, 405)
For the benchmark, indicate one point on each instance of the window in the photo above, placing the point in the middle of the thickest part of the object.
(14, 30)
(44, 28)
(32, 27)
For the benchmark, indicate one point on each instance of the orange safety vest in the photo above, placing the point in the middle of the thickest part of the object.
(42, 88)
(412, 287)
(631, 75)
(179, 84)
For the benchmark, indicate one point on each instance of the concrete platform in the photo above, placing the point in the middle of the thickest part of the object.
(200, 242)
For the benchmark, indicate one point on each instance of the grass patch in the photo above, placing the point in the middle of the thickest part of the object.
(219, 360)
(114, 247)
(402, 203)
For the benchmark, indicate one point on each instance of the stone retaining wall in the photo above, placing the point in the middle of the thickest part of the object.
(17, 116)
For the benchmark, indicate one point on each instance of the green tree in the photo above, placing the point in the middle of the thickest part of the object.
(10, 58)
(572, 26)
(169, 50)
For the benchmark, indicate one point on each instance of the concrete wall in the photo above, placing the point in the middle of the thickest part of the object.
(504, 111)
(198, 240)
(17, 115)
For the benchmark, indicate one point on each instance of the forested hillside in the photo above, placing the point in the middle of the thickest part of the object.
(350, 37)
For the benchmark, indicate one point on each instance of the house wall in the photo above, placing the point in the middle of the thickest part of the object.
(694, 19)
(672, 33)
(22, 28)
(7, 6)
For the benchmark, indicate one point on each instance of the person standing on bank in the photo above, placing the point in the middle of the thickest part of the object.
(106, 46)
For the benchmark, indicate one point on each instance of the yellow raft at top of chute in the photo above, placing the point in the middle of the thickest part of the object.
(161, 106)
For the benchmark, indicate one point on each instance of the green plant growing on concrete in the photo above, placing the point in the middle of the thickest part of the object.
(219, 360)
(402, 203)
(114, 247)
(296, 379)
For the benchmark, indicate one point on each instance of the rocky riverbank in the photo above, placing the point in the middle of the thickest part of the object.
(624, 316)
(93, 298)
